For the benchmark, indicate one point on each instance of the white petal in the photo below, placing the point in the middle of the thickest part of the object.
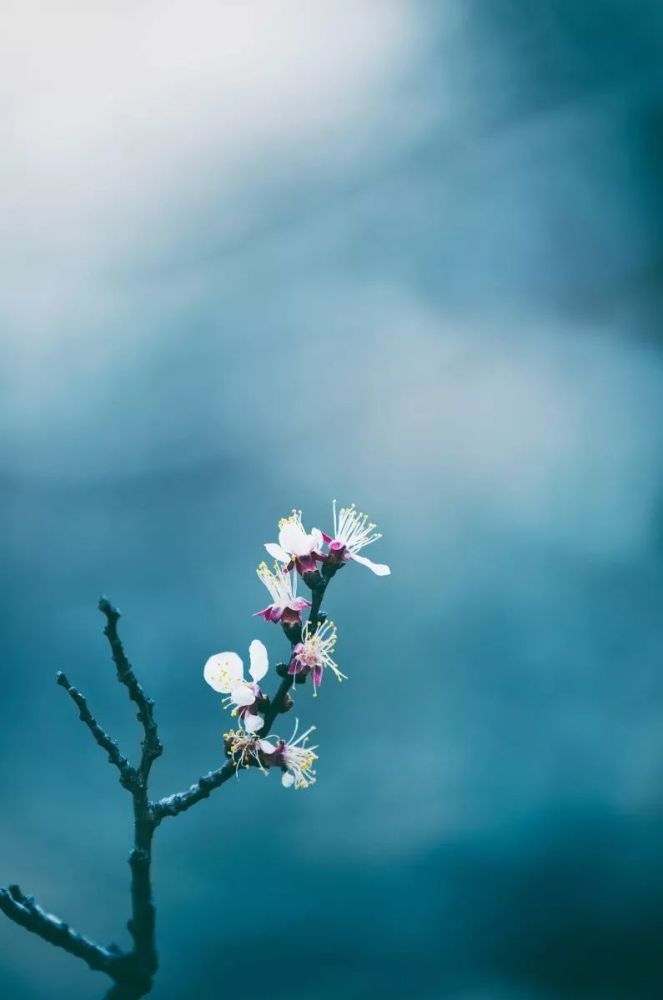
(316, 540)
(252, 723)
(266, 746)
(258, 659)
(222, 671)
(293, 538)
(242, 695)
(380, 569)
(288, 779)
(276, 552)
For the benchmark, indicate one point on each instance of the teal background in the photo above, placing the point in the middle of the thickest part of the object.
(262, 255)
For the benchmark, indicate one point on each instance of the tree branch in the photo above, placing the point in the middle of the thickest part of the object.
(127, 772)
(172, 805)
(151, 746)
(179, 802)
(143, 914)
(25, 911)
(132, 971)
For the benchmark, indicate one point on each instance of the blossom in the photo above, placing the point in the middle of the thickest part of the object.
(313, 654)
(224, 672)
(295, 547)
(282, 586)
(293, 757)
(352, 532)
(295, 760)
(243, 749)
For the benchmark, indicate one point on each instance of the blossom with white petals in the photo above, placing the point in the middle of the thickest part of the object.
(243, 749)
(295, 760)
(295, 547)
(352, 532)
(224, 672)
(282, 586)
(293, 756)
(313, 654)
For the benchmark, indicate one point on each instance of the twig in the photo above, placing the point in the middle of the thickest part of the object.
(127, 772)
(172, 805)
(151, 746)
(25, 911)
(132, 971)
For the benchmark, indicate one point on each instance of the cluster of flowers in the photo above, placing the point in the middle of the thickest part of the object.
(297, 553)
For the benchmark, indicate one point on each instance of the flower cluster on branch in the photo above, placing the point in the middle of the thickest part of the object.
(316, 557)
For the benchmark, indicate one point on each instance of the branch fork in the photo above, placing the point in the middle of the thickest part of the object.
(132, 971)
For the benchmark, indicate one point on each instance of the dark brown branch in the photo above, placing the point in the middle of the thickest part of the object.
(151, 745)
(127, 772)
(172, 805)
(277, 704)
(25, 911)
(143, 914)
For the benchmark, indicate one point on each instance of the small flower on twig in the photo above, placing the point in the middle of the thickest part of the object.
(314, 653)
(293, 757)
(243, 749)
(295, 547)
(224, 672)
(282, 586)
(352, 532)
(295, 760)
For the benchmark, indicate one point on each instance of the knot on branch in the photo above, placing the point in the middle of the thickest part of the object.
(139, 858)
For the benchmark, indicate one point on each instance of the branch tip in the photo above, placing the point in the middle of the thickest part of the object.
(108, 609)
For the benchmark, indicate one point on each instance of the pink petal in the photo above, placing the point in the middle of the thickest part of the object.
(299, 603)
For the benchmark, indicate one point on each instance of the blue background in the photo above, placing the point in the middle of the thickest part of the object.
(409, 254)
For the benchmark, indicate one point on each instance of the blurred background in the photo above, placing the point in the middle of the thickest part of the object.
(260, 254)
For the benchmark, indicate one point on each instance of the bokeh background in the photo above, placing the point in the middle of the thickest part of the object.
(261, 254)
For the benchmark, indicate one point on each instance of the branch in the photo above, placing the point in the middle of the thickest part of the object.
(277, 704)
(151, 745)
(142, 923)
(25, 911)
(172, 805)
(127, 772)
(179, 802)
(122, 991)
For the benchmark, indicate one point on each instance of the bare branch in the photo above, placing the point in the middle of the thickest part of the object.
(151, 746)
(25, 911)
(127, 772)
(172, 805)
